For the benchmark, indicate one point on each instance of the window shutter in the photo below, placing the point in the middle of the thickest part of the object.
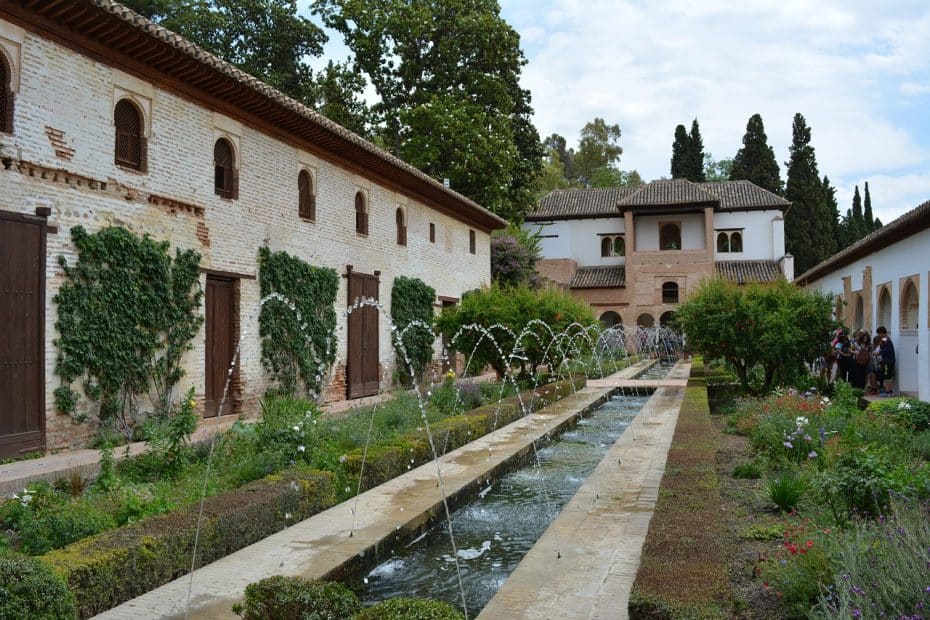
(6, 98)
(127, 121)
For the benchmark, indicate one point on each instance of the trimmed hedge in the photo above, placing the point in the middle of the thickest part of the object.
(113, 567)
(296, 598)
(683, 573)
(386, 461)
(29, 590)
(402, 608)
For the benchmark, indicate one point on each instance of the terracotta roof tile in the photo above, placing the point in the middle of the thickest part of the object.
(743, 271)
(599, 277)
(742, 195)
(579, 203)
(668, 192)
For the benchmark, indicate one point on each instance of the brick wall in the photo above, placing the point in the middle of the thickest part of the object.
(61, 156)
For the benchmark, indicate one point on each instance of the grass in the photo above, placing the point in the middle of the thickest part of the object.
(683, 573)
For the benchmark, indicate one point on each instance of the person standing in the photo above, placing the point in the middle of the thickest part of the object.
(844, 359)
(862, 359)
(875, 366)
(887, 367)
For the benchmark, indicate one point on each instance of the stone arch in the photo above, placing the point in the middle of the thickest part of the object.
(910, 304)
(645, 320)
(669, 292)
(666, 318)
(884, 306)
(611, 319)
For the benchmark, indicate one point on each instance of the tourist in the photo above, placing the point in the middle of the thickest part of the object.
(874, 366)
(886, 369)
(862, 358)
(844, 359)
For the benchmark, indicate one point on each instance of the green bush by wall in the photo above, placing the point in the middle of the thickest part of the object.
(30, 591)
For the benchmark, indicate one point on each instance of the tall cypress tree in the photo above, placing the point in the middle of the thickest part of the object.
(857, 224)
(755, 161)
(680, 152)
(810, 227)
(695, 171)
(867, 215)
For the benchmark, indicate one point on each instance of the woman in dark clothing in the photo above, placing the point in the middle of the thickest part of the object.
(861, 360)
(844, 360)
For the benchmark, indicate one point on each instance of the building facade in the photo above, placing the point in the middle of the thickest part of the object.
(634, 252)
(109, 120)
(883, 280)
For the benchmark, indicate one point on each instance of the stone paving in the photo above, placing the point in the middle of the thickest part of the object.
(319, 545)
(585, 563)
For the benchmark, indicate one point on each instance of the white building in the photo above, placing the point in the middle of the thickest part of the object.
(107, 119)
(635, 252)
(883, 280)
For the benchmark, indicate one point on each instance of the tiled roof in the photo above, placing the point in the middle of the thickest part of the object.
(79, 17)
(743, 195)
(668, 192)
(742, 271)
(914, 221)
(599, 277)
(578, 203)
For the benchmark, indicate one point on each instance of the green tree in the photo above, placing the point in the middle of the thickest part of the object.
(566, 155)
(717, 171)
(764, 332)
(598, 148)
(553, 175)
(857, 228)
(755, 161)
(695, 161)
(269, 40)
(810, 228)
(867, 216)
(447, 73)
(681, 149)
(514, 252)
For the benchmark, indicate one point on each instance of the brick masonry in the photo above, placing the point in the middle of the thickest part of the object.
(60, 156)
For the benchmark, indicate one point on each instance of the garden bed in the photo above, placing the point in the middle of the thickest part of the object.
(319, 461)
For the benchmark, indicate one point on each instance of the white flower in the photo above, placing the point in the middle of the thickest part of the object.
(801, 421)
(296, 429)
(301, 449)
(343, 458)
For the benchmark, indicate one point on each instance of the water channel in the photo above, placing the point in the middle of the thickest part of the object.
(505, 520)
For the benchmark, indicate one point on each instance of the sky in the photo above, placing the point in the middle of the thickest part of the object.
(859, 71)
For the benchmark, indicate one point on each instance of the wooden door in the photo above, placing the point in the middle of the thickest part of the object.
(220, 344)
(362, 362)
(22, 334)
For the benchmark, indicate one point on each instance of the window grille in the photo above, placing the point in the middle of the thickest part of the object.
(306, 198)
(130, 142)
(361, 214)
(224, 176)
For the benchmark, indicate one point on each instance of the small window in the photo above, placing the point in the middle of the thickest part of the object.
(471, 241)
(432, 233)
(305, 197)
(736, 242)
(605, 246)
(6, 96)
(130, 141)
(669, 237)
(361, 214)
(619, 246)
(723, 242)
(670, 293)
(401, 227)
(225, 183)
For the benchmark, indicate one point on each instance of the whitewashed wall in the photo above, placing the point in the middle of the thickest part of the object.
(692, 230)
(578, 239)
(763, 234)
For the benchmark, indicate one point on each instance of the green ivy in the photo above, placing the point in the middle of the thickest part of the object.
(412, 300)
(127, 312)
(297, 355)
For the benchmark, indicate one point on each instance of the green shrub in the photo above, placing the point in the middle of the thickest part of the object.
(907, 412)
(403, 608)
(413, 316)
(786, 490)
(110, 568)
(921, 445)
(861, 481)
(296, 598)
(747, 471)
(30, 591)
(797, 570)
(62, 525)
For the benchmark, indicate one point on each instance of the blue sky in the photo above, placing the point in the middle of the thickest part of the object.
(859, 71)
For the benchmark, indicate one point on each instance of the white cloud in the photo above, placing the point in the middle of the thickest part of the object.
(850, 67)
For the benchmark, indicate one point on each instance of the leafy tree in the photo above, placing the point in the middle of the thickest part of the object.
(755, 161)
(267, 39)
(598, 148)
(717, 171)
(810, 227)
(553, 175)
(867, 216)
(514, 252)
(447, 73)
(688, 154)
(566, 155)
(763, 331)
(608, 176)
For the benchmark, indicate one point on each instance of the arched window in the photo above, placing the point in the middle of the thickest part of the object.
(130, 141)
(909, 306)
(666, 318)
(611, 318)
(884, 307)
(306, 200)
(401, 227)
(225, 181)
(736, 242)
(669, 293)
(6, 96)
(361, 214)
(645, 320)
(605, 246)
(723, 242)
(619, 246)
(670, 237)
(472, 242)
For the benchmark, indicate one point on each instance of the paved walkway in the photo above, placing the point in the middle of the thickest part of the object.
(585, 563)
(399, 508)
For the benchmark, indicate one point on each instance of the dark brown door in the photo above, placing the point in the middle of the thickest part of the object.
(22, 332)
(362, 366)
(220, 345)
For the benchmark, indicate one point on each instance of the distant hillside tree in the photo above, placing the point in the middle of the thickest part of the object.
(688, 154)
(867, 216)
(680, 151)
(598, 148)
(717, 171)
(810, 227)
(755, 161)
